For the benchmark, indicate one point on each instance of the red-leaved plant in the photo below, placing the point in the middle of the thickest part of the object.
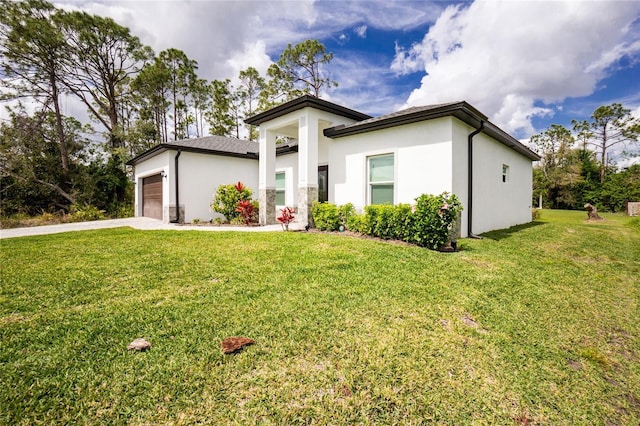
(240, 186)
(247, 210)
(286, 217)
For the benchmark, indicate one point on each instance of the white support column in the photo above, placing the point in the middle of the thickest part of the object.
(307, 164)
(267, 177)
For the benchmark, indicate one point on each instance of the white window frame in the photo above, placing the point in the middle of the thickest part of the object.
(281, 190)
(371, 184)
(505, 173)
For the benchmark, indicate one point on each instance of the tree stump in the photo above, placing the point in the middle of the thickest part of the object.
(592, 212)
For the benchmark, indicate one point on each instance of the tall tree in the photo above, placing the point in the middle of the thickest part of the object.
(219, 116)
(101, 57)
(32, 49)
(182, 74)
(201, 96)
(610, 125)
(299, 70)
(152, 90)
(251, 84)
(558, 172)
(30, 154)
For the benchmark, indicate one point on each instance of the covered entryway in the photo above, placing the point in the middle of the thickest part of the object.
(152, 196)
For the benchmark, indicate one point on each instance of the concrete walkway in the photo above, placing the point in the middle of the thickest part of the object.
(143, 223)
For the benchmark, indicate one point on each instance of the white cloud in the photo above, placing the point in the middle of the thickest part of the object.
(254, 55)
(361, 31)
(504, 57)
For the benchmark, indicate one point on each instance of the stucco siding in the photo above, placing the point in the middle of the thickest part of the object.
(498, 204)
(200, 175)
(422, 161)
(460, 176)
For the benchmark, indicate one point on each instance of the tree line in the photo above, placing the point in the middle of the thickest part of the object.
(576, 166)
(50, 161)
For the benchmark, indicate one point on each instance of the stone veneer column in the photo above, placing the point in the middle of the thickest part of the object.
(267, 200)
(307, 165)
(306, 196)
(267, 178)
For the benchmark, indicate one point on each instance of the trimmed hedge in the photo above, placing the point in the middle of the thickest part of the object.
(431, 222)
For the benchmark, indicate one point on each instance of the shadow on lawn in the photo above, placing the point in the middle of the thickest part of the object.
(501, 234)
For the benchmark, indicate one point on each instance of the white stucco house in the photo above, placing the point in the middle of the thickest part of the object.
(341, 155)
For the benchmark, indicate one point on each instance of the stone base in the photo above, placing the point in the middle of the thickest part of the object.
(306, 197)
(267, 212)
(170, 214)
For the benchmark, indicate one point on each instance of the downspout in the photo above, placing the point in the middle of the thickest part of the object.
(470, 233)
(177, 219)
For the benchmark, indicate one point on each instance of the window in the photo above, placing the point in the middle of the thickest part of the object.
(323, 184)
(505, 173)
(381, 179)
(280, 186)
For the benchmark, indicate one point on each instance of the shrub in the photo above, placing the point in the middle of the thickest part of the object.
(403, 222)
(195, 221)
(431, 223)
(326, 216)
(434, 219)
(357, 223)
(248, 211)
(389, 222)
(227, 197)
(85, 213)
(286, 217)
(345, 212)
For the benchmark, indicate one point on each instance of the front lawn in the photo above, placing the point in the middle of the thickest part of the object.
(539, 324)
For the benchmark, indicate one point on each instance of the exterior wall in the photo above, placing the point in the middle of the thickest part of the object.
(158, 164)
(497, 204)
(460, 163)
(422, 161)
(200, 176)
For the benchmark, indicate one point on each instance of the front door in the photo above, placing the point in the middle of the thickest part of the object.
(323, 184)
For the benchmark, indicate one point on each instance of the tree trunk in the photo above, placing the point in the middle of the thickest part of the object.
(64, 156)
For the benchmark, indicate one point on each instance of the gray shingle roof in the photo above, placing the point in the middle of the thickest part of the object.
(219, 143)
(215, 145)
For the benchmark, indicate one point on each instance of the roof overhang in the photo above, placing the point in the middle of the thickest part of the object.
(460, 110)
(160, 148)
(304, 102)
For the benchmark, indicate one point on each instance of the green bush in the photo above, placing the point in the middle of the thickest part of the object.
(227, 198)
(403, 222)
(85, 213)
(326, 216)
(430, 223)
(345, 212)
(357, 223)
(389, 222)
(434, 219)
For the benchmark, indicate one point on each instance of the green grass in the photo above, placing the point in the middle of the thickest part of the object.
(538, 324)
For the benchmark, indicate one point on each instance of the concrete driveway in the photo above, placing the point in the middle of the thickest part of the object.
(143, 223)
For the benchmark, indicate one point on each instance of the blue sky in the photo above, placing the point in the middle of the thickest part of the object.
(525, 64)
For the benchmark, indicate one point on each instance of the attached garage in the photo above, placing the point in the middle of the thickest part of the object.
(152, 196)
